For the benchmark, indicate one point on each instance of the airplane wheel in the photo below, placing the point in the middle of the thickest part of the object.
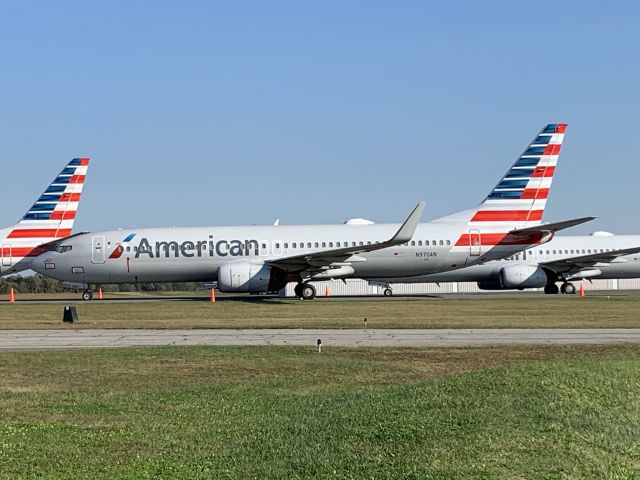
(298, 290)
(551, 289)
(568, 288)
(387, 292)
(87, 295)
(307, 292)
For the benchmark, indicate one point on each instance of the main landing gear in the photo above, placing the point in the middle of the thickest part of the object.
(305, 291)
(387, 292)
(566, 288)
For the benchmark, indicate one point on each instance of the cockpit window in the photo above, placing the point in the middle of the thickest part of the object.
(63, 248)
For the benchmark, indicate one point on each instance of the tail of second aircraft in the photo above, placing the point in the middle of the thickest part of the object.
(519, 199)
(50, 218)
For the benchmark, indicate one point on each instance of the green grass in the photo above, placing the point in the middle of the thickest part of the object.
(476, 312)
(570, 412)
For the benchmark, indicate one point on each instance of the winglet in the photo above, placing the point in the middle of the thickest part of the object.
(408, 228)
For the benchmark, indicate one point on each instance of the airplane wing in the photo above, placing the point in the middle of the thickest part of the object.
(575, 264)
(297, 263)
(551, 227)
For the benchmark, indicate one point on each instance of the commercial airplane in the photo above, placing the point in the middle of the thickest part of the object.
(265, 258)
(600, 255)
(50, 218)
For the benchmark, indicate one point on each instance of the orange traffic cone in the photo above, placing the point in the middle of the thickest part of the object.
(327, 293)
(12, 296)
(99, 294)
(581, 291)
(212, 296)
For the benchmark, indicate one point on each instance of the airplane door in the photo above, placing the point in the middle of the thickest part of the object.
(98, 254)
(6, 255)
(474, 243)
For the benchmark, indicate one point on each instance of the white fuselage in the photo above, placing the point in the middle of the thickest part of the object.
(560, 247)
(195, 254)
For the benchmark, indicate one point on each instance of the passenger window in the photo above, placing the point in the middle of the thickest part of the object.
(441, 242)
(361, 243)
(353, 244)
(317, 245)
(286, 245)
(293, 245)
(413, 243)
(368, 243)
(128, 249)
(277, 245)
(331, 244)
(448, 242)
(324, 244)
(308, 244)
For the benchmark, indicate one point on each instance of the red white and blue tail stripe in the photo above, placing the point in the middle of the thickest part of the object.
(52, 216)
(521, 195)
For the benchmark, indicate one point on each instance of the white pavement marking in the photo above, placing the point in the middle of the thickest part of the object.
(71, 338)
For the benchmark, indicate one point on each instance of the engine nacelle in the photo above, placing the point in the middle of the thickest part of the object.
(243, 277)
(522, 276)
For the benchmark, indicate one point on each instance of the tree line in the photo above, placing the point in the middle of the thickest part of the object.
(41, 284)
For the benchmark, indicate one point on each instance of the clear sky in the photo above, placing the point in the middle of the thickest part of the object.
(228, 113)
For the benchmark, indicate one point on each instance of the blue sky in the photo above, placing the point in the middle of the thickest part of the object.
(212, 113)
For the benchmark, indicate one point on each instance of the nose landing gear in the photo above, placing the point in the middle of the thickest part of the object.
(87, 295)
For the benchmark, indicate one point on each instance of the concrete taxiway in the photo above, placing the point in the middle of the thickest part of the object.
(78, 338)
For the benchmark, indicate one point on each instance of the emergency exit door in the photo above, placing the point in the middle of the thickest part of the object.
(6, 255)
(98, 253)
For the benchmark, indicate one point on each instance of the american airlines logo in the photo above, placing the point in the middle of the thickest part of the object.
(200, 248)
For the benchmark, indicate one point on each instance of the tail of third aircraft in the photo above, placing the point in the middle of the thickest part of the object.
(519, 199)
(51, 217)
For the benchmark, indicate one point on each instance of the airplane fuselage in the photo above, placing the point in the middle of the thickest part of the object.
(560, 247)
(196, 254)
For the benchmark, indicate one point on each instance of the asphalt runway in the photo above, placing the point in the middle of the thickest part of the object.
(21, 340)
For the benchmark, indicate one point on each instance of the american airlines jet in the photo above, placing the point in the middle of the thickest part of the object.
(259, 259)
(50, 218)
(600, 255)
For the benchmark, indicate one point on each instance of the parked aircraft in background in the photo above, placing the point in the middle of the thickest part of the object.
(50, 218)
(600, 255)
(265, 258)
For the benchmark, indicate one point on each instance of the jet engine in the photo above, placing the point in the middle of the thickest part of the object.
(522, 276)
(246, 277)
(517, 277)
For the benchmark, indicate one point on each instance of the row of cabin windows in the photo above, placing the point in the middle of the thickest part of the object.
(574, 252)
(413, 243)
(583, 251)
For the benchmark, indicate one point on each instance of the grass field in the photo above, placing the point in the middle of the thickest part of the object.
(474, 312)
(519, 413)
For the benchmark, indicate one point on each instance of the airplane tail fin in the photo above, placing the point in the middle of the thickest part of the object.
(520, 197)
(52, 216)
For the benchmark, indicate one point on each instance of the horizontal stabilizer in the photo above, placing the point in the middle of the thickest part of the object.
(551, 227)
